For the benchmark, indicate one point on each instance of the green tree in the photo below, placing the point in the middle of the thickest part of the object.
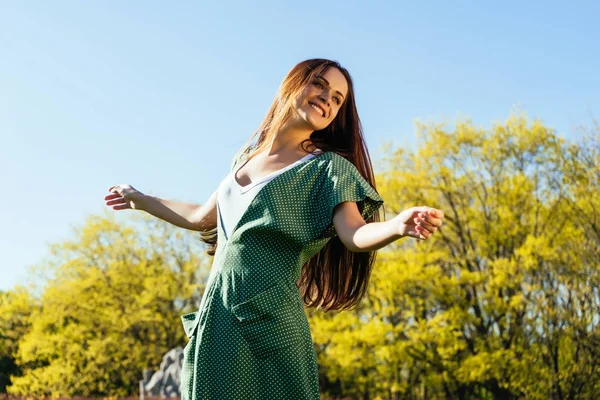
(109, 309)
(16, 306)
(502, 302)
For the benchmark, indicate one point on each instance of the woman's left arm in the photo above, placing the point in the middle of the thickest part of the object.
(359, 236)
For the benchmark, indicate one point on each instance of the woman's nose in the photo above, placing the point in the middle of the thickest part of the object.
(325, 96)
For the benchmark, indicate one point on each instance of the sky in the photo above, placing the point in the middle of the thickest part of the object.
(160, 95)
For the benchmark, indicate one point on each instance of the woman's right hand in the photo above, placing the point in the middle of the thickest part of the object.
(124, 197)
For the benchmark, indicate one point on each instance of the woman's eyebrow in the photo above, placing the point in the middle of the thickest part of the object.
(327, 82)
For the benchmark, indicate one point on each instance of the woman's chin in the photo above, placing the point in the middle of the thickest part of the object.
(306, 120)
(315, 122)
(309, 123)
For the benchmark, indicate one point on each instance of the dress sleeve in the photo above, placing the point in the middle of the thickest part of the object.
(342, 183)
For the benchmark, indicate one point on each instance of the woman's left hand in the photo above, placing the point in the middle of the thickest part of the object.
(419, 222)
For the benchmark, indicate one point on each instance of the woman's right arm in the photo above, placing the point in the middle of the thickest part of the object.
(196, 217)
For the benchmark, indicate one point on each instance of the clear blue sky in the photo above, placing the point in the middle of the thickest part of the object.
(161, 94)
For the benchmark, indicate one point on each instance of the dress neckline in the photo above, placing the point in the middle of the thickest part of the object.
(244, 189)
(266, 187)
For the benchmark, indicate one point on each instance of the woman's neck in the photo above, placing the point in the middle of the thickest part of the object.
(289, 139)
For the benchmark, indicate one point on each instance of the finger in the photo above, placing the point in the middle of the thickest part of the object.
(422, 237)
(424, 224)
(115, 188)
(434, 212)
(426, 235)
(116, 202)
(436, 222)
(429, 211)
(112, 196)
(415, 233)
(423, 233)
(420, 209)
(123, 206)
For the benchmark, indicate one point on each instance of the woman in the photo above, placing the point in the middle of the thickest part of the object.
(296, 225)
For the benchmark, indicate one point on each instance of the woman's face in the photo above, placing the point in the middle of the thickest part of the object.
(321, 99)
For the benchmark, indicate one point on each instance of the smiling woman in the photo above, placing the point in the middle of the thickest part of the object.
(294, 223)
(322, 98)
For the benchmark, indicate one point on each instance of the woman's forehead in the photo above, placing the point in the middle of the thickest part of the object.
(337, 80)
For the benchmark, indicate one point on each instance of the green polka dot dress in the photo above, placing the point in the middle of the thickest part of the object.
(250, 338)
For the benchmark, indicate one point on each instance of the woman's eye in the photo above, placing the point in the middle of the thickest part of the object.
(318, 84)
(337, 100)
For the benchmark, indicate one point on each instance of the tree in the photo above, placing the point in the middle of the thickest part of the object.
(109, 309)
(16, 306)
(502, 302)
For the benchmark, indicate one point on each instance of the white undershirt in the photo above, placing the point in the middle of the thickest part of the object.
(233, 199)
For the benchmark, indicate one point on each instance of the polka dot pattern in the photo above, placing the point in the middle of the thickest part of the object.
(250, 338)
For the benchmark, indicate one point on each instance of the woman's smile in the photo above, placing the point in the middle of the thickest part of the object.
(318, 108)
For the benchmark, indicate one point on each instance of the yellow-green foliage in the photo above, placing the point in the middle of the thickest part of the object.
(503, 301)
(110, 309)
(16, 307)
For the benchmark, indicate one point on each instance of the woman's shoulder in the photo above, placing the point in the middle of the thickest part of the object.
(336, 161)
(332, 156)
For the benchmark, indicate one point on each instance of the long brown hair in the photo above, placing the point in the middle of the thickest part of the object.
(335, 278)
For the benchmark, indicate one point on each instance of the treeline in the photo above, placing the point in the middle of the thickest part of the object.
(502, 303)
(109, 309)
